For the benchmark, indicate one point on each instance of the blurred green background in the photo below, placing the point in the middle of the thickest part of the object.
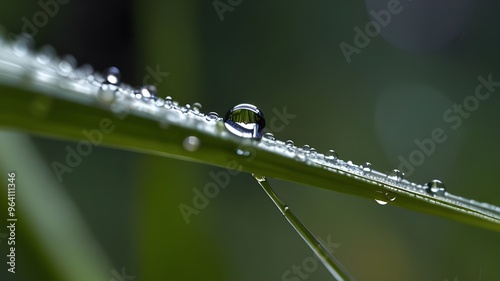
(278, 54)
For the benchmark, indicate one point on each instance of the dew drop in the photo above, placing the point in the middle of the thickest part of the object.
(381, 202)
(245, 120)
(396, 175)
(67, 64)
(168, 101)
(242, 152)
(112, 75)
(391, 197)
(331, 155)
(306, 148)
(148, 92)
(46, 54)
(289, 143)
(106, 93)
(436, 187)
(212, 116)
(269, 136)
(197, 107)
(191, 143)
(367, 167)
(22, 45)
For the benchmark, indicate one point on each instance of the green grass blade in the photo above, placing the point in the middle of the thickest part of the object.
(39, 99)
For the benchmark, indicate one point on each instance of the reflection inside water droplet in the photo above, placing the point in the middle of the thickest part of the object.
(112, 75)
(331, 155)
(367, 167)
(191, 143)
(246, 121)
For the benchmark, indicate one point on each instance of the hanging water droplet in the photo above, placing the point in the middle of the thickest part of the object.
(396, 175)
(381, 202)
(269, 136)
(23, 44)
(112, 75)
(148, 92)
(212, 116)
(331, 155)
(245, 120)
(191, 143)
(46, 54)
(436, 187)
(367, 167)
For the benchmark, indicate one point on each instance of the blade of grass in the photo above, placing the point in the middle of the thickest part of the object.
(55, 105)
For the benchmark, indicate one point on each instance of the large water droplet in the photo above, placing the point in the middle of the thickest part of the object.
(381, 202)
(436, 187)
(396, 175)
(191, 143)
(246, 121)
(112, 75)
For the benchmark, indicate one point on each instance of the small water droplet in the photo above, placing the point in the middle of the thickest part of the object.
(436, 187)
(331, 155)
(245, 120)
(269, 136)
(381, 202)
(148, 92)
(289, 143)
(391, 197)
(67, 64)
(306, 148)
(367, 167)
(106, 93)
(212, 116)
(191, 143)
(23, 44)
(197, 107)
(112, 75)
(46, 54)
(160, 102)
(396, 175)
(242, 152)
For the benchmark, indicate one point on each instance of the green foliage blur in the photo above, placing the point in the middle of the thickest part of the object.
(418, 75)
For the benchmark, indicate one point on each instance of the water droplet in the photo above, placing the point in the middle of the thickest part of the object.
(112, 75)
(197, 107)
(306, 148)
(168, 101)
(191, 143)
(396, 175)
(106, 93)
(244, 153)
(331, 155)
(245, 120)
(436, 187)
(160, 102)
(46, 54)
(391, 197)
(185, 108)
(381, 202)
(269, 136)
(22, 45)
(289, 143)
(212, 116)
(148, 92)
(367, 167)
(67, 64)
